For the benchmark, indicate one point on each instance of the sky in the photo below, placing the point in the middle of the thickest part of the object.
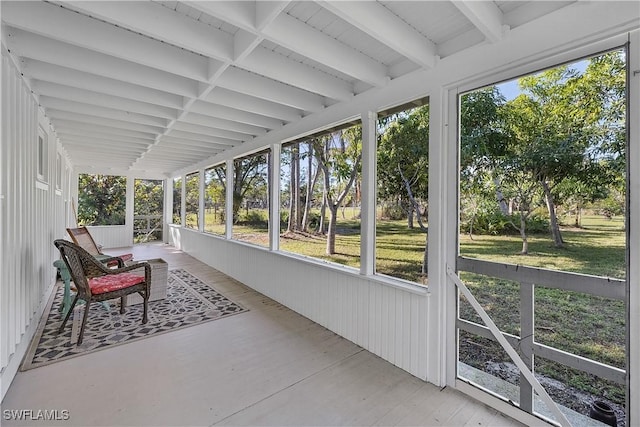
(510, 88)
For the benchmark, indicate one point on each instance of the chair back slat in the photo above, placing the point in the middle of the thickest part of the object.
(83, 238)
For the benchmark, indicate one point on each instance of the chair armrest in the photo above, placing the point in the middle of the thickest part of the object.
(107, 259)
(137, 265)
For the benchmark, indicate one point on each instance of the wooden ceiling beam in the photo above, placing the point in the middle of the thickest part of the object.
(79, 30)
(385, 26)
(485, 16)
(29, 45)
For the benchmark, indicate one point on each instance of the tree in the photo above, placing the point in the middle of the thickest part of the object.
(523, 191)
(250, 177)
(148, 202)
(215, 192)
(569, 122)
(294, 222)
(483, 144)
(192, 200)
(339, 159)
(101, 199)
(177, 200)
(403, 166)
(312, 178)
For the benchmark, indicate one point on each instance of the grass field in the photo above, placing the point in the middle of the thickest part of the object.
(578, 323)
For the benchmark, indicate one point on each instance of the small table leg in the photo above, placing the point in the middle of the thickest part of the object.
(66, 279)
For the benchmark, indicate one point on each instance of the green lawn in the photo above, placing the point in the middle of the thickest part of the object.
(588, 326)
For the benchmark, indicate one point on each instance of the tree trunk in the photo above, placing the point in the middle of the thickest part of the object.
(425, 257)
(292, 184)
(323, 212)
(312, 177)
(331, 233)
(410, 217)
(298, 211)
(502, 203)
(471, 222)
(523, 234)
(578, 220)
(294, 191)
(553, 219)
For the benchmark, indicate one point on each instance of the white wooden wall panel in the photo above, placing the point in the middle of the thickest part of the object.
(29, 221)
(386, 320)
(112, 236)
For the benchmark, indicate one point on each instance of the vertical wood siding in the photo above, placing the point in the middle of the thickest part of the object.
(31, 218)
(388, 321)
(112, 236)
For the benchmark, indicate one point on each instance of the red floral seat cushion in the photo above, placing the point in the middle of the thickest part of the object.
(113, 282)
(124, 257)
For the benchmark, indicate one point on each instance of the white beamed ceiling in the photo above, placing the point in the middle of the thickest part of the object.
(158, 86)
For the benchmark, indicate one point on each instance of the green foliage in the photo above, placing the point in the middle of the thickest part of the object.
(254, 217)
(495, 223)
(101, 199)
(611, 206)
(250, 183)
(482, 137)
(192, 201)
(177, 200)
(560, 142)
(215, 191)
(148, 197)
(148, 202)
(403, 160)
(393, 211)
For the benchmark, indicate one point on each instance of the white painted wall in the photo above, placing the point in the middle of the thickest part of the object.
(31, 217)
(112, 236)
(389, 321)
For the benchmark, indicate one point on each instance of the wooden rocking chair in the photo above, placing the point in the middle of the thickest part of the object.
(83, 238)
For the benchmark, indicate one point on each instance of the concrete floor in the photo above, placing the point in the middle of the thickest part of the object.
(268, 366)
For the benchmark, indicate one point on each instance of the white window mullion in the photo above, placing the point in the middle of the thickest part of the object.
(633, 238)
(183, 201)
(229, 200)
(274, 199)
(369, 181)
(201, 212)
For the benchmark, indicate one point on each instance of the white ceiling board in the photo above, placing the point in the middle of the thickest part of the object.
(189, 79)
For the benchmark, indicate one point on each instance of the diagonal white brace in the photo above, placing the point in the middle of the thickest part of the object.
(551, 405)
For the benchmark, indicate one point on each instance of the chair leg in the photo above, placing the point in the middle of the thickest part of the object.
(145, 303)
(69, 311)
(84, 321)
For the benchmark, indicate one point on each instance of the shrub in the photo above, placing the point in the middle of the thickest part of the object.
(393, 212)
(496, 223)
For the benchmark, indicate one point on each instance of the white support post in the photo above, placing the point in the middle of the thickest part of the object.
(368, 208)
(201, 211)
(633, 233)
(274, 197)
(442, 363)
(129, 207)
(228, 221)
(527, 330)
(168, 209)
(183, 201)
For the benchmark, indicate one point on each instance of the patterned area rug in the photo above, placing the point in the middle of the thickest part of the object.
(189, 302)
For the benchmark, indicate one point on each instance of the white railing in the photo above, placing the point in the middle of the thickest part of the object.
(528, 277)
(150, 225)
